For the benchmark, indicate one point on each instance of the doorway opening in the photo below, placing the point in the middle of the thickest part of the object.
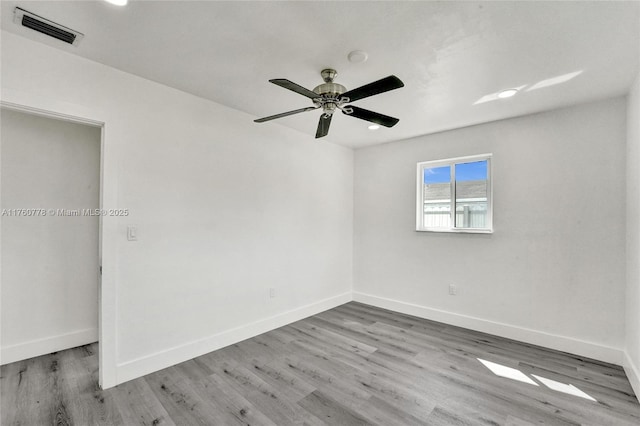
(50, 232)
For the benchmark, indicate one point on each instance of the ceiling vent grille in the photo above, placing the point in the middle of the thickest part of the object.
(45, 26)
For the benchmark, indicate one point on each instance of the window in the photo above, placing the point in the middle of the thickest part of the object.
(454, 195)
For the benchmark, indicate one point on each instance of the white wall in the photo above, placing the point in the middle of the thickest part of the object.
(50, 263)
(632, 359)
(225, 209)
(552, 273)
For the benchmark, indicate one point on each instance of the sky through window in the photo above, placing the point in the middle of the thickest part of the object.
(476, 170)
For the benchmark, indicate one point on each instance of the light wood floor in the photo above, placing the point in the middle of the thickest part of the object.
(352, 365)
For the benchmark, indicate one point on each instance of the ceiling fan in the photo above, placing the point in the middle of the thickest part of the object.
(331, 96)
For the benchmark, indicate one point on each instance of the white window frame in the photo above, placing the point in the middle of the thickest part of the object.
(451, 162)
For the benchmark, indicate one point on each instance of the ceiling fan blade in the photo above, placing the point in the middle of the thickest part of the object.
(383, 85)
(323, 125)
(374, 117)
(282, 82)
(284, 114)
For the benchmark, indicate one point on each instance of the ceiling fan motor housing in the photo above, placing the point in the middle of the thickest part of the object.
(329, 91)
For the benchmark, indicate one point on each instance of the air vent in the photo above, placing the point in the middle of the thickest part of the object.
(45, 26)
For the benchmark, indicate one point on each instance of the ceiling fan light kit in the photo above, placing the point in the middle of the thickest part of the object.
(331, 96)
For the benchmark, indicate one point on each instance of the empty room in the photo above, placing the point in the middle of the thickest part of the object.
(319, 213)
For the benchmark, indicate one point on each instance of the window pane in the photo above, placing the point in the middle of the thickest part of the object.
(437, 197)
(471, 194)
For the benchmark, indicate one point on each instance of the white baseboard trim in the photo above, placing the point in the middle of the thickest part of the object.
(157, 361)
(44, 346)
(633, 374)
(552, 341)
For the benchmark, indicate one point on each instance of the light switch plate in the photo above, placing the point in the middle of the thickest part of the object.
(132, 233)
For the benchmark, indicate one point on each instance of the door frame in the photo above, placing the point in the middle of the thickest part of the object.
(107, 226)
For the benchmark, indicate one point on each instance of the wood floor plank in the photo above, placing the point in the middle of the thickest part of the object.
(27, 392)
(332, 337)
(444, 417)
(184, 405)
(98, 406)
(532, 402)
(380, 411)
(352, 317)
(331, 376)
(514, 421)
(367, 335)
(374, 378)
(330, 410)
(193, 369)
(10, 388)
(235, 407)
(279, 376)
(64, 391)
(269, 400)
(605, 393)
(264, 348)
(375, 315)
(138, 405)
(351, 365)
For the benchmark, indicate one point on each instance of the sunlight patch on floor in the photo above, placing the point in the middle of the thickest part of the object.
(508, 372)
(515, 374)
(562, 387)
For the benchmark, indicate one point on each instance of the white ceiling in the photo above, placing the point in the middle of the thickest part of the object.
(449, 54)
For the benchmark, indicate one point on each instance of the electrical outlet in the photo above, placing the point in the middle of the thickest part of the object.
(453, 289)
(272, 292)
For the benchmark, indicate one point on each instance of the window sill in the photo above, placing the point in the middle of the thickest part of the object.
(456, 231)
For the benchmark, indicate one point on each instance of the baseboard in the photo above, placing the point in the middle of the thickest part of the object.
(552, 341)
(633, 374)
(44, 346)
(148, 364)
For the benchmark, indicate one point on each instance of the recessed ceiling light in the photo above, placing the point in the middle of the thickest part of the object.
(374, 127)
(118, 2)
(507, 93)
(358, 56)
